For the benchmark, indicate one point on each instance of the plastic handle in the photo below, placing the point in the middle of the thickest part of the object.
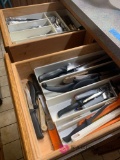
(83, 83)
(33, 94)
(52, 74)
(68, 109)
(36, 84)
(77, 129)
(60, 89)
(36, 124)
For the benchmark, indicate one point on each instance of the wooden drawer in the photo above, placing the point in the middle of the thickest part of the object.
(29, 47)
(17, 72)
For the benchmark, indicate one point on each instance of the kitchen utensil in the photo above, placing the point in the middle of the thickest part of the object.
(71, 86)
(50, 125)
(36, 124)
(87, 130)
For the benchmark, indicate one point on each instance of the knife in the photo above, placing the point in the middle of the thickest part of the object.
(57, 72)
(87, 130)
(107, 108)
(35, 98)
(86, 102)
(69, 67)
(35, 122)
(1, 101)
(55, 139)
(70, 86)
(81, 104)
(101, 73)
(84, 124)
(20, 19)
(79, 76)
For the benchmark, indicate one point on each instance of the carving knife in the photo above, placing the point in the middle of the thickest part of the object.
(50, 125)
(70, 86)
(70, 67)
(36, 124)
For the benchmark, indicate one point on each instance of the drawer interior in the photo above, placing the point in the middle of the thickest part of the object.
(30, 42)
(28, 27)
(22, 71)
(46, 46)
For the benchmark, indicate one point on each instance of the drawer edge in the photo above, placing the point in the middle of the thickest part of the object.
(16, 101)
(5, 33)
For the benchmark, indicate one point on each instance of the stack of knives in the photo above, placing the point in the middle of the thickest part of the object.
(39, 113)
(104, 116)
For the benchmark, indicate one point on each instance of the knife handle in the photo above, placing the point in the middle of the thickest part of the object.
(36, 124)
(33, 94)
(68, 109)
(36, 84)
(52, 74)
(59, 89)
(1, 101)
(77, 129)
(84, 82)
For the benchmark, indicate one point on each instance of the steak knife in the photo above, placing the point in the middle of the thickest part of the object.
(70, 67)
(36, 124)
(55, 139)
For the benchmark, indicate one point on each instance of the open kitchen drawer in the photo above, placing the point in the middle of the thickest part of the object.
(18, 72)
(24, 40)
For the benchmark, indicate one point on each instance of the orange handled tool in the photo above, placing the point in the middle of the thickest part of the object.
(54, 137)
(108, 109)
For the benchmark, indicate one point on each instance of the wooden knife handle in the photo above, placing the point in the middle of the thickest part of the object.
(42, 116)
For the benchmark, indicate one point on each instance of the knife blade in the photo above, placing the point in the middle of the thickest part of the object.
(70, 86)
(35, 122)
(70, 67)
(85, 102)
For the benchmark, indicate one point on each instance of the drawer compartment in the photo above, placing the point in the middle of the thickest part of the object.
(18, 73)
(24, 39)
(46, 46)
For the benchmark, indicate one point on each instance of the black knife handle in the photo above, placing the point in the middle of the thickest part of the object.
(77, 129)
(33, 94)
(85, 82)
(1, 101)
(36, 84)
(85, 124)
(60, 89)
(36, 124)
(52, 74)
(68, 109)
